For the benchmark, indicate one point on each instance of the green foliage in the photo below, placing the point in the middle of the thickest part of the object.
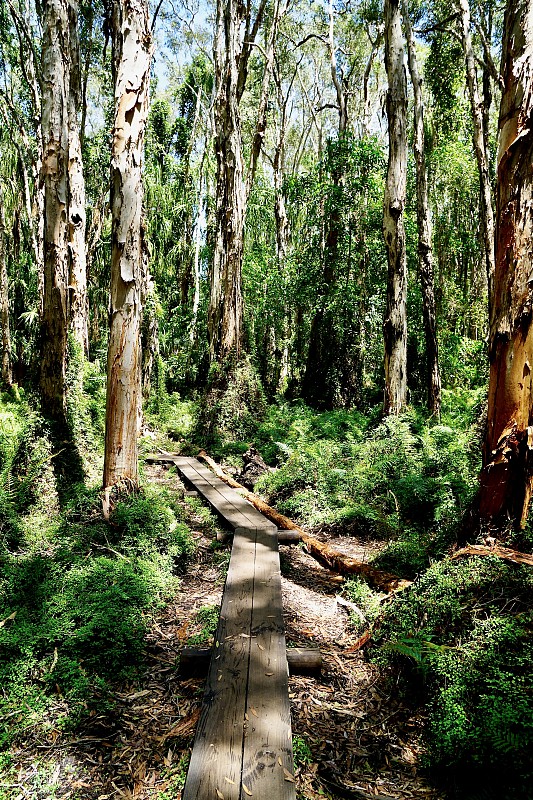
(367, 601)
(465, 626)
(82, 603)
(407, 479)
(301, 752)
(233, 406)
(207, 618)
(336, 271)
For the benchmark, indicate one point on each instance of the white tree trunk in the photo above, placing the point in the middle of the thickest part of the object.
(78, 249)
(487, 214)
(226, 303)
(395, 321)
(55, 317)
(132, 55)
(425, 250)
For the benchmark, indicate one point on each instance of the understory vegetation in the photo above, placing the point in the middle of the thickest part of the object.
(78, 591)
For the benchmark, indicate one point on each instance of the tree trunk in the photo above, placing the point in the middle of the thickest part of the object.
(226, 302)
(55, 316)
(425, 252)
(78, 250)
(395, 321)
(132, 54)
(322, 386)
(506, 478)
(487, 214)
(234, 37)
(7, 375)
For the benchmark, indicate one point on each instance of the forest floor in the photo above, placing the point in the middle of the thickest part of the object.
(353, 737)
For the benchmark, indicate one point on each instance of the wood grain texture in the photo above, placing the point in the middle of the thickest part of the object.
(216, 761)
(267, 760)
(254, 517)
(219, 499)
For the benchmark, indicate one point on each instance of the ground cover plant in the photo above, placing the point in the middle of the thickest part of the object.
(77, 591)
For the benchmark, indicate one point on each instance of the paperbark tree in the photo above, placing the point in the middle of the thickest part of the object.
(480, 144)
(235, 34)
(226, 302)
(5, 352)
(132, 55)
(395, 321)
(55, 316)
(423, 213)
(506, 478)
(77, 244)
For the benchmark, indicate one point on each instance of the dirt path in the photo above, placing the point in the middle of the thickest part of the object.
(352, 737)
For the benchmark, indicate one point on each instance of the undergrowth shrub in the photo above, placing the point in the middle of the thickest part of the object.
(408, 479)
(233, 406)
(77, 611)
(367, 601)
(465, 628)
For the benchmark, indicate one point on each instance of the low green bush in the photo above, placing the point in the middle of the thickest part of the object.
(465, 628)
(76, 612)
(407, 479)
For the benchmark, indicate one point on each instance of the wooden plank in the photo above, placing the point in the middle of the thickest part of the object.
(254, 516)
(204, 480)
(216, 762)
(220, 502)
(268, 760)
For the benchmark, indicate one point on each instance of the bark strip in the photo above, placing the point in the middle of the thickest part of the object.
(507, 475)
(132, 55)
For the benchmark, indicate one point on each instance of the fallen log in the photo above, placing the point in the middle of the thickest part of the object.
(504, 553)
(327, 555)
(194, 661)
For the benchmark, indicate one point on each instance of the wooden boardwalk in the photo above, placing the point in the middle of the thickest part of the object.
(243, 743)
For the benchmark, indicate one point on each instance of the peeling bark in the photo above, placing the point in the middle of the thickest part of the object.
(77, 243)
(132, 55)
(55, 316)
(425, 251)
(506, 478)
(226, 302)
(231, 54)
(395, 321)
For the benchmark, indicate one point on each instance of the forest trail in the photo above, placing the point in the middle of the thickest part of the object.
(352, 738)
(243, 740)
(362, 741)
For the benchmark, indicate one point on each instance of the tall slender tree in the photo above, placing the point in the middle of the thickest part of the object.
(55, 127)
(5, 343)
(480, 143)
(423, 213)
(77, 245)
(507, 475)
(395, 321)
(132, 56)
(235, 34)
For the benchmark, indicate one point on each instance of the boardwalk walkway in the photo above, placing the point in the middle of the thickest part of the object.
(243, 743)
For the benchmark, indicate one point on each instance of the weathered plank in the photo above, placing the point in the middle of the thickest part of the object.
(254, 517)
(227, 502)
(222, 502)
(301, 660)
(215, 769)
(267, 759)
